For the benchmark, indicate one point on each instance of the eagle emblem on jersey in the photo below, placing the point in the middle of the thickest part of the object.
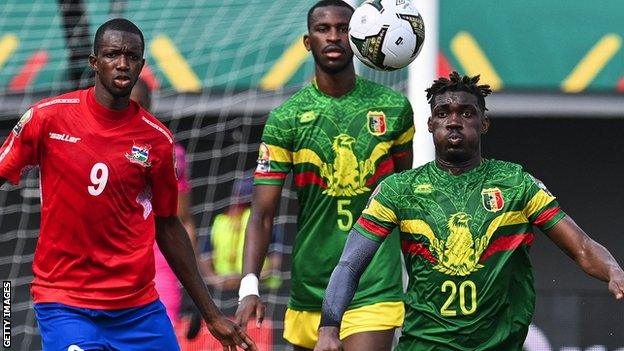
(459, 254)
(140, 155)
(376, 123)
(346, 176)
(492, 199)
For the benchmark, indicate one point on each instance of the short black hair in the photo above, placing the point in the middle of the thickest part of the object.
(120, 24)
(325, 3)
(455, 82)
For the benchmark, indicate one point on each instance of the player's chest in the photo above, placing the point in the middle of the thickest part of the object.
(124, 155)
(477, 209)
(338, 128)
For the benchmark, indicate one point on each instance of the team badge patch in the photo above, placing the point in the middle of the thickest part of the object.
(376, 122)
(423, 188)
(264, 159)
(492, 199)
(22, 122)
(307, 117)
(140, 155)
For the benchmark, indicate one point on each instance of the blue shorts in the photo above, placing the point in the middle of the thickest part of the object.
(66, 328)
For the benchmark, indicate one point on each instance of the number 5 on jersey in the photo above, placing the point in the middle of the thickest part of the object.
(99, 177)
(345, 217)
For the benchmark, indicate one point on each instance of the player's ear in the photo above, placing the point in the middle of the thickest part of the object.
(429, 125)
(93, 62)
(306, 41)
(485, 124)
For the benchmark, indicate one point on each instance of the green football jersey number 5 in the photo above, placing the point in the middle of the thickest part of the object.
(467, 287)
(345, 220)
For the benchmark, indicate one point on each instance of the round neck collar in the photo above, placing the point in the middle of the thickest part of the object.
(322, 94)
(102, 112)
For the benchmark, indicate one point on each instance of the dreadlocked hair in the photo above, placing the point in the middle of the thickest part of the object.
(455, 82)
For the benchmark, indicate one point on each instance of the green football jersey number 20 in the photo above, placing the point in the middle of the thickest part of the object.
(344, 224)
(466, 307)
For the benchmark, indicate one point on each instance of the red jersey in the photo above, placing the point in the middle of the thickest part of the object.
(104, 175)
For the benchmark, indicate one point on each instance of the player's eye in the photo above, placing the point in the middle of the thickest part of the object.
(442, 114)
(467, 113)
(344, 29)
(110, 54)
(134, 57)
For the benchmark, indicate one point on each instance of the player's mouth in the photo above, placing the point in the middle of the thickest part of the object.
(455, 138)
(333, 51)
(122, 81)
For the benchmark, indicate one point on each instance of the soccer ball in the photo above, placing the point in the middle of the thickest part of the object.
(386, 34)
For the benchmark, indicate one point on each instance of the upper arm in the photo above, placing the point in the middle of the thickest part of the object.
(163, 181)
(23, 145)
(568, 236)
(265, 201)
(402, 147)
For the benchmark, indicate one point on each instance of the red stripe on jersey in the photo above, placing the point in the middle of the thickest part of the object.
(507, 243)
(270, 175)
(383, 169)
(418, 249)
(307, 178)
(373, 227)
(546, 216)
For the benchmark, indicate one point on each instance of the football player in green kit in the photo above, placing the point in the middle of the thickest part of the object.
(340, 136)
(466, 226)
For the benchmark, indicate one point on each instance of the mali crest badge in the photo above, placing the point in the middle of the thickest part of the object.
(140, 155)
(376, 122)
(492, 199)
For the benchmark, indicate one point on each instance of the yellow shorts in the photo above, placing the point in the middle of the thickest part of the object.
(301, 327)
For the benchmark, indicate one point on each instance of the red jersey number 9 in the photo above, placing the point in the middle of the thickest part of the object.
(99, 177)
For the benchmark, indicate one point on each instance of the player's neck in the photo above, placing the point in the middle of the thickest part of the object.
(109, 101)
(457, 168)
(336, 84)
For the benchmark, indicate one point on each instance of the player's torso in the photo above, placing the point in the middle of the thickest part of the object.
(99, 170)
(466, 242)
(341, 151)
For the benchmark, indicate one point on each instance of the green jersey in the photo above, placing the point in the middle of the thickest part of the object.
(466, 241)
(339, 149)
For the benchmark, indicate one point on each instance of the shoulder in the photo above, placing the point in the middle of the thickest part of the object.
(499, 170)
(55, 103)
(157, 128)
(390, 95)
(289, 108)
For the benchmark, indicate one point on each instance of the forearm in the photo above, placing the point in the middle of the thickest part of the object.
(175, 245)
(356, 256)
(257, 240)
(591, 256)
(596, 260)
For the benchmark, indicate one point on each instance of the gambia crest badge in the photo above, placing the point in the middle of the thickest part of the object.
(492, 199)
(376, 122)
(140, 154)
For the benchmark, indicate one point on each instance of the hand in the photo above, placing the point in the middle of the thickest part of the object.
(230, 335)
(249, 306)
(328, 339)
(616, 284)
